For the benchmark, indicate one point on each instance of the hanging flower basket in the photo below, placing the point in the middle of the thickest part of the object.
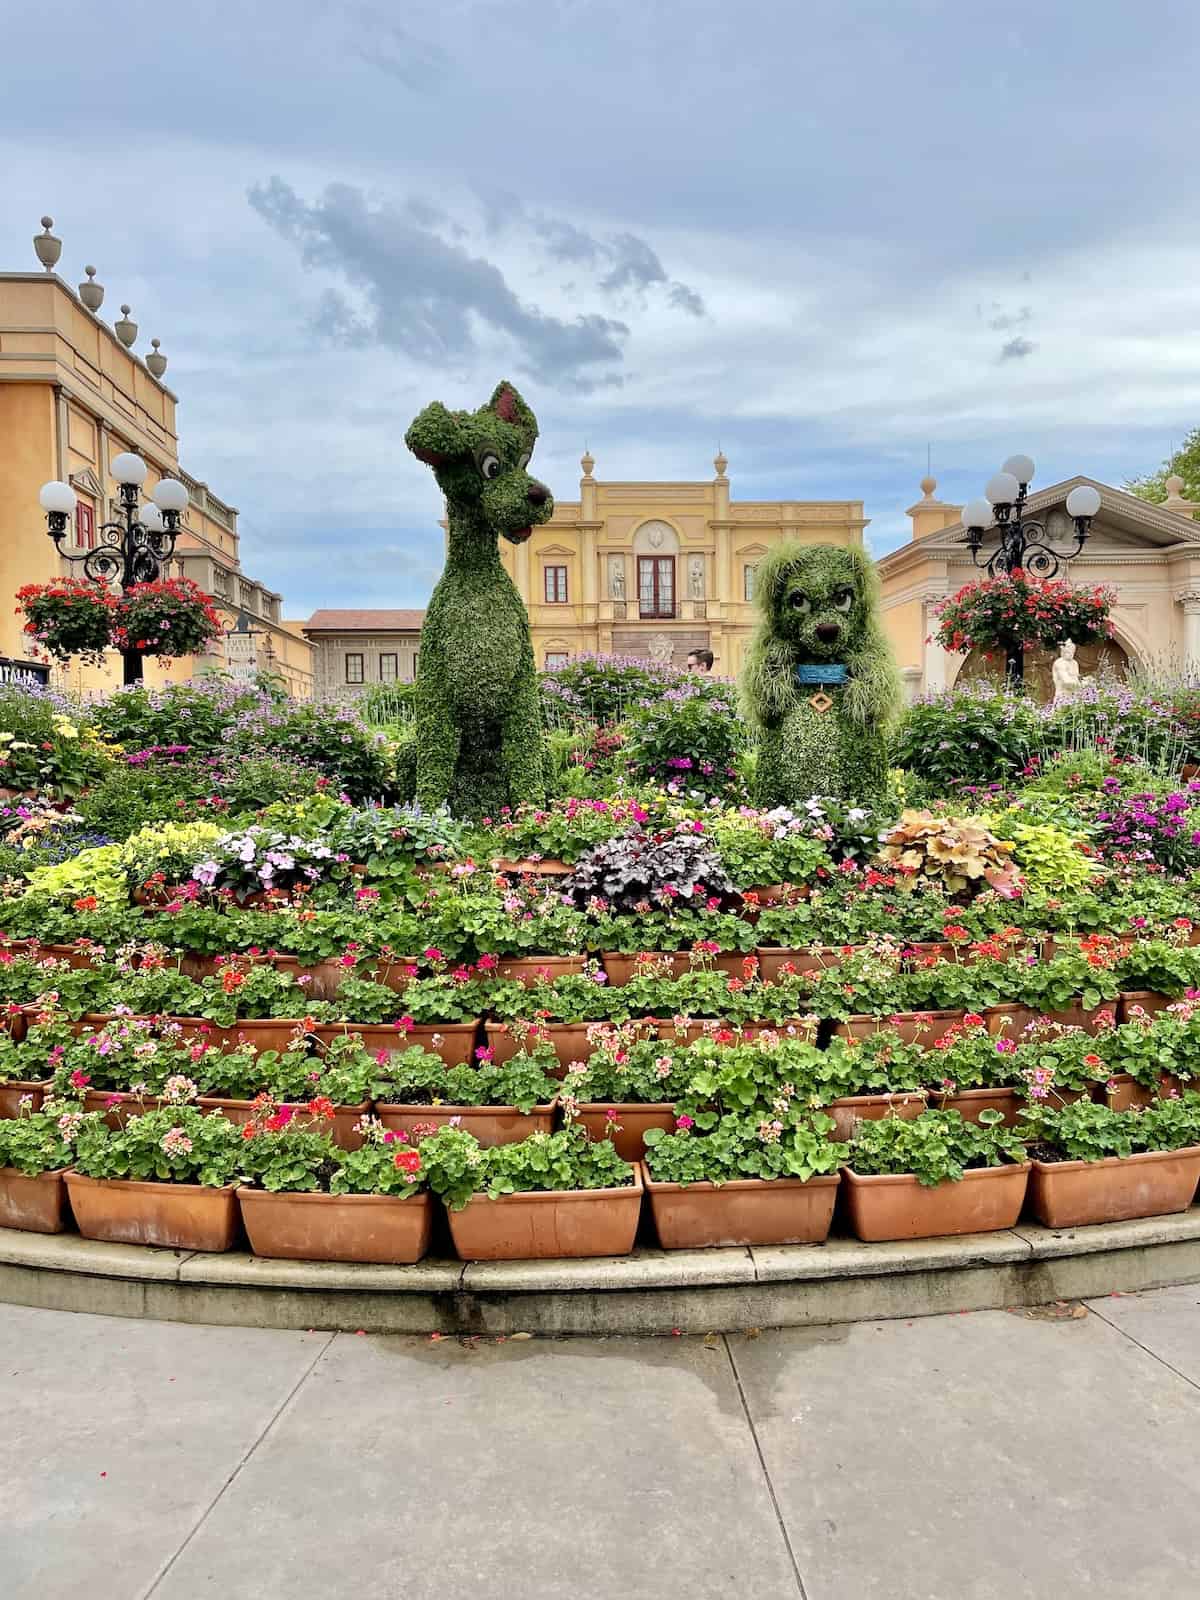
(173, 617)
(1018, 612)
(69, 617)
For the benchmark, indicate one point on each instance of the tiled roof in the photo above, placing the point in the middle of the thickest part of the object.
(365, 621)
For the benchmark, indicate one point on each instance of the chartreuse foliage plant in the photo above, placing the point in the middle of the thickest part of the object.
(936, 1147)
(480, 743)
(819, 683)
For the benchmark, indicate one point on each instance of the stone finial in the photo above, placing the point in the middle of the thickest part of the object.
(928, 485)
(125, 330)
(91, 292)
(156, 362)
(1174, 487)
(720, 462)
(587, 461)
(47, 246)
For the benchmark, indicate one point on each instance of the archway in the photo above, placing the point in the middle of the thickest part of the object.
(1109, 660)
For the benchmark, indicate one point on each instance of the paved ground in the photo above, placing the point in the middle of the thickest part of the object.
(953, 1458)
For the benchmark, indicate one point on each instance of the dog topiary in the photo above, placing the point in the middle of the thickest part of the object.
(480, 744)
(819, 682)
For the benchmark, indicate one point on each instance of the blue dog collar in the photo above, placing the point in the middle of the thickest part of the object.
(827, 673)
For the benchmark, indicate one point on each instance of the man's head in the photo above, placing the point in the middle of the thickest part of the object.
(479, 459)
(700, 660)
(818, 598)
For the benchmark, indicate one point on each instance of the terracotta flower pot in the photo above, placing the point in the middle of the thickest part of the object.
(743, 1212)
(887, 1206)
(75, 957)
(634, 1121)
(342, 1129)
(325, 978)
(569, 1040)
(528, 969)
(1149, 1000)
(35, 1205)
(491, 1125)
(620, 969)
(970, 1102)
(453, 1041)
(1007, 1022)
(13, 1092)
(346, 1227)
(527, 867)
(15, 1023)
(264, 1033)
(545, 1227)
(1072, 1194)
(912, 1026)
(118, 1107)
(174, 1216)
(773, 958)
(872, 1108)
(1122, 1091)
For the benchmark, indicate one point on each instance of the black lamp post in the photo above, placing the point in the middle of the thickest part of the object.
(129, 551)
(1023, 540)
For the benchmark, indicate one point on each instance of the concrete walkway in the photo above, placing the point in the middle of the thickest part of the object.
(1050, 1453)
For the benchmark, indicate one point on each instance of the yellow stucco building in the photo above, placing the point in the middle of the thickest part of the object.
(74, 395)
(654, 570)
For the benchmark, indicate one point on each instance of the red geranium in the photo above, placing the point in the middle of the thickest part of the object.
(173, 617)
(1016, 612)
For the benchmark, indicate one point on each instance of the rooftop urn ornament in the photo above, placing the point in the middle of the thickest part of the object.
(47, 246)
(928, 485)
(125, 330)
(720, 462)
(156, 362)
(587, 461)
(90, 292)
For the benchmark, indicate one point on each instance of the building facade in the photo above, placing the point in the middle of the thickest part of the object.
(1149, 554)
(653, 570)
(73, 395)
(357, 650)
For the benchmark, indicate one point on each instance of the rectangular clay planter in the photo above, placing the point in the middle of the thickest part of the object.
(852, 1108)
(491, 1125)
(453, 1041)
(13, 1092)
(1073, 1194)
(620, 969)
(35, 1205)
(569, 1039)
(264, 1033)
(528, 969)
(1010, 1022)
(1122, 1091)
(342, 1129)
(174, 1216)
(746, 1211)
(773, 958)
(1149, 1000)
(346, 1227)
(547, 1227)
(634, 1119)
(970, 1102)
(887, 1206)
(128, 1105)
(912, 1026)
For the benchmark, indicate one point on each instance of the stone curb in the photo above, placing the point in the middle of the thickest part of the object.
(648, 1292)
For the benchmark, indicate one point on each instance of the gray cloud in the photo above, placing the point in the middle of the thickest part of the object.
(1017, 349)
(628, 263)
(419, 293)
(373, 38)
(1005, 321)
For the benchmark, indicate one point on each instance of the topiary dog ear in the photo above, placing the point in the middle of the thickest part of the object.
(510, 408)
(436, 437)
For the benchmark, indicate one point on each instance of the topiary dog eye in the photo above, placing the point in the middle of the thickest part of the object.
(843, 599)
(800, 603)
(489, 464)
(524, 461)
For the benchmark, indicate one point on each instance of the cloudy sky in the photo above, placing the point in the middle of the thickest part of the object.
(823, 232)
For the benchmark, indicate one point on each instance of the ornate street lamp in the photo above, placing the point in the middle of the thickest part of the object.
(131, 550)
(1024, 545)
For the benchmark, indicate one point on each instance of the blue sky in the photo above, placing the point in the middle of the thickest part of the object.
(823, 234)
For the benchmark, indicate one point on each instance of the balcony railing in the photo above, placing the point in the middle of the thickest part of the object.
(659, 611)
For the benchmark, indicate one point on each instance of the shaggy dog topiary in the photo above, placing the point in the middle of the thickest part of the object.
(479, 719)
(819, 682)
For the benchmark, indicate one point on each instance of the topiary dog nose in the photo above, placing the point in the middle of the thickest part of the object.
(828, 632)
(537, 493)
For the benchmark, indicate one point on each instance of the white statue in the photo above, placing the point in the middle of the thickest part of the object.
(616, 579)
(1065, 672)
(696, 577)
